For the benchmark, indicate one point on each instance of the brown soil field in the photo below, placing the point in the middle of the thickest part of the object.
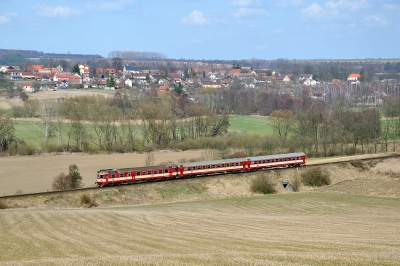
(62, 93)
(29, 174)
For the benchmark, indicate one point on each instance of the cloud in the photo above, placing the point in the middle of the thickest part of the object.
(375, 21)
(277, 31)
(197, 41)
(197, 18)
(332, 8)
(245, 3)
(313, 11)
(5, 19)
(56, 11)
(246, 12)
(289, 3)
(391, 7)
(108, 5)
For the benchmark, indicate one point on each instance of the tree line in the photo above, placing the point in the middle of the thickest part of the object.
(120, 123)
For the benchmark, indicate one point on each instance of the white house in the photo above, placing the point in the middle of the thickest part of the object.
(353, 77)
(310, 82)
(128, 82)
(3, 69)
(28, 87)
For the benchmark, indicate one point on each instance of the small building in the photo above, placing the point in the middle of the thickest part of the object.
(353, 77)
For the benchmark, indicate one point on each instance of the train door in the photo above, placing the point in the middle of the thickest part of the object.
(246, 165)
(171, 172)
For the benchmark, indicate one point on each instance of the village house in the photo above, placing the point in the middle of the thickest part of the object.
(106, 71)
(129, 70)
(285, 78)
(84, 70)
(163, 88)
(128, 83)
(353, 77)
(309, 82)
(175, 77)
(28, 87)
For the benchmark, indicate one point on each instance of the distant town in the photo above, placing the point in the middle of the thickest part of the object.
(37, 71)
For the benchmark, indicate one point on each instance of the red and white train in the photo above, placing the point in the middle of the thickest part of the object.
(107, 177)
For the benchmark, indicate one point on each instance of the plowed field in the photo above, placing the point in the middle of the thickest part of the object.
(285, 229)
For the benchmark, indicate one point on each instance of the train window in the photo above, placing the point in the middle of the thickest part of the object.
(113, 176)
(144, 172)
(137, 173)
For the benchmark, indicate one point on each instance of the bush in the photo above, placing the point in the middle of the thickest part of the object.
(71, 181)
(3, 205)
(295, 182)
(61, 182)
(75, 176)
(25, 148)
(359, 164)
(19, 111)
(238, 154)
(262, 184)
(315, 177)
(150, 159)
(87, 200)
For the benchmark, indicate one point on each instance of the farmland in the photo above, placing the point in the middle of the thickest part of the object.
(285, 229)
(202, 221)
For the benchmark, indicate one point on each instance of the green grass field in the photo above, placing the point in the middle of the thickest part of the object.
(251, 124)
(30, 131)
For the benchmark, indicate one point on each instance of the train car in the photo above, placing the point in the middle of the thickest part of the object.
(106, 177)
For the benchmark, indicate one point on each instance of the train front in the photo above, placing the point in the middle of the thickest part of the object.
(102, 176)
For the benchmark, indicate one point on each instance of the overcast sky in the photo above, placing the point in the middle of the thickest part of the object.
(206, 29)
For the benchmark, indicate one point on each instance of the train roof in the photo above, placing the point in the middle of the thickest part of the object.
(254, 158)
(209, 162)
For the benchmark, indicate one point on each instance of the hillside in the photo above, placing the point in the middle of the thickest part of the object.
(378, 177)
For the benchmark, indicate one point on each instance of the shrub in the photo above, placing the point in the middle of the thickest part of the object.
(87, 200)
(295, 182)
(262, 184)
(26, 149)
(75, 176)
(314, 176)
(238, 154)
(359, 164)
(19, 111)
(150, 159)
(3, 205)
(71, 181)
(61, 182)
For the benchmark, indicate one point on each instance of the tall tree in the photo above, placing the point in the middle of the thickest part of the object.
(117, 63)
(282, 121)
(75, 69)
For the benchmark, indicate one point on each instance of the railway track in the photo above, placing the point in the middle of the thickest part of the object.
(310, 162)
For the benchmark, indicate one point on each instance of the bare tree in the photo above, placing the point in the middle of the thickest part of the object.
(117, 63)
(282, 121)
(46, 111)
